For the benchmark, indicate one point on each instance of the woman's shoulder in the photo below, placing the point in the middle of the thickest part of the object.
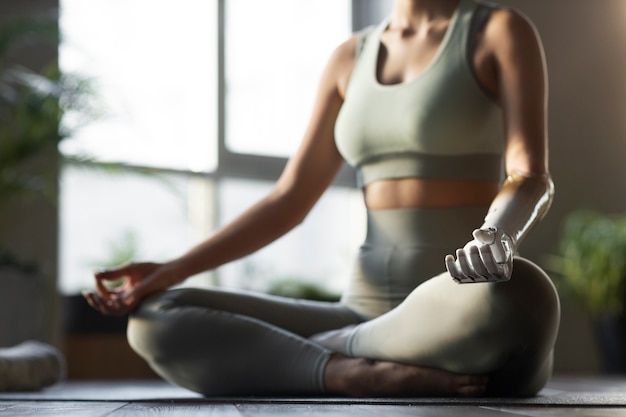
(508, 29)
(508, 21)
(342, 61)
(344, 57)
(350, 49)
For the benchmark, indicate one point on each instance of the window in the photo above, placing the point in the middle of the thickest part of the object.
(157, 97)
(319, 251)
(152, 64)
(109, 218)
(196, 92)
(270, 90)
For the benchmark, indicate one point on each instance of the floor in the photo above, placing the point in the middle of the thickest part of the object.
(564, 396)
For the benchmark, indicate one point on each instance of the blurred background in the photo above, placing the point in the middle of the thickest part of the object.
(175, 116)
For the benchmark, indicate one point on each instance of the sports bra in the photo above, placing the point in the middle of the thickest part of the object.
(441, 124)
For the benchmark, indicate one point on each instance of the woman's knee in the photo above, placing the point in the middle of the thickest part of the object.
(534, 311)
(152, 326)
(515, 321)
(535, 302)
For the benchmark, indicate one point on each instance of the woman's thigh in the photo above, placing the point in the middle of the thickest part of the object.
(235, 343)
(298, 316)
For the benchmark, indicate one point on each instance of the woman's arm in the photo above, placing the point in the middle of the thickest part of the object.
(306, 176)
(516, 60)
(523, 91)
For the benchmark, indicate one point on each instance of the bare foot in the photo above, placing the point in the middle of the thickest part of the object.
(358, 377)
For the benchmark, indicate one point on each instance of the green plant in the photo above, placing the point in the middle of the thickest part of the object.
(295, 288)
(121, 250)
(32, 104)
(38, 110)
(592, 261)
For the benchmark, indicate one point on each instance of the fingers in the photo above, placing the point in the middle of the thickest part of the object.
(101, 288)
(468, 266)
(139, 280)
(459, 269)
(480, 270)
(113, 274)
(108, 306)
(463, 263)
(104, 278)
(454, 272)
(477, 263)
(111, 301)
(486, 257)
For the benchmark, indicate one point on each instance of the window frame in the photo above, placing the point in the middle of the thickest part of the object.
(232, 164)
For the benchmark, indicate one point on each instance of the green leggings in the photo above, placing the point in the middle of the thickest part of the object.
(399, 305)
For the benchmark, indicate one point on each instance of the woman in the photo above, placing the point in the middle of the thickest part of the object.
(427, 106)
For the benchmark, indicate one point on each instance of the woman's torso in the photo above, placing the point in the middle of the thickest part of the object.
(398, 60)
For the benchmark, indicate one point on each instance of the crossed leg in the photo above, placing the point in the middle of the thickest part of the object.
(506, 330)
(232, 343)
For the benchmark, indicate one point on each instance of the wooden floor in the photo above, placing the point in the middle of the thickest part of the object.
(588, 397)
(227, 410)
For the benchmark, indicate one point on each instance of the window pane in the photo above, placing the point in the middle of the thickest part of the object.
(153, 65)
(276, 51)
(319, 251)
(111, 218)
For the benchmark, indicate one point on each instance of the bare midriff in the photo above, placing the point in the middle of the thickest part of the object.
(429, 193)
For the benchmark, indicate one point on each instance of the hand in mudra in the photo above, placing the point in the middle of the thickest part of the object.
(119, 291)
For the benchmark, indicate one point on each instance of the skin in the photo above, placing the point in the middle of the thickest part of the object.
(508, 59)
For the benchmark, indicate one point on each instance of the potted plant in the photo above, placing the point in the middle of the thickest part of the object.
(296, 288)
(31, 106)
(592, 269)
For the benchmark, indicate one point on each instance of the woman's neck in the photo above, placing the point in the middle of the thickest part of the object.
(409, 14)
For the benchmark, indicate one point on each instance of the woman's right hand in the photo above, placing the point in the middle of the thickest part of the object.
(137, 280)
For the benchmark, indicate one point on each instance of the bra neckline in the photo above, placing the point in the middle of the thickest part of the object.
(445, 42)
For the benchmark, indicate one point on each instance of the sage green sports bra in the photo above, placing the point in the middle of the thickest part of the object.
(441, 124)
